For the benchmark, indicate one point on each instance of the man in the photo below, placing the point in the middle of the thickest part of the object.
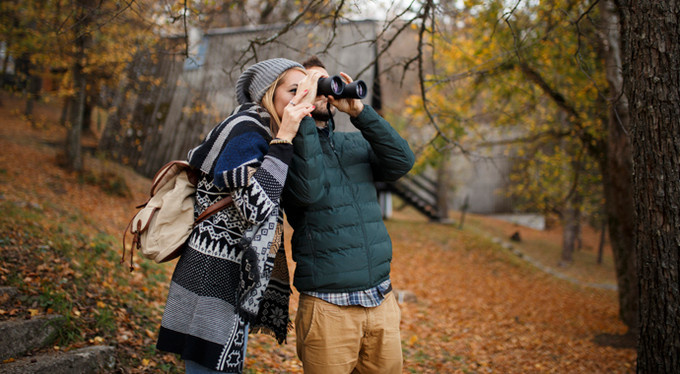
(348, 318)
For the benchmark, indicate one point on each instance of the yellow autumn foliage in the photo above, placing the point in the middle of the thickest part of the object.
(532, 75)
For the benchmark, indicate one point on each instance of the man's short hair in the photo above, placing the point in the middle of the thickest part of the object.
(312, 62)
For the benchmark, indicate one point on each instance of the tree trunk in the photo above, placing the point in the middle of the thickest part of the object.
(5, 64)
(65, 108)
(443, 183)
(616, 170)
(74, 154)
(572, 227)
(87, 116)
(603, 238)
(34, 83)
(652, 51)
(463, 210)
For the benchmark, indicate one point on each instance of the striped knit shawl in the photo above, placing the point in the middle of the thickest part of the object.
(205, 155)
(264, 271)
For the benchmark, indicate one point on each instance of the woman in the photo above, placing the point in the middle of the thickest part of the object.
(232, 277)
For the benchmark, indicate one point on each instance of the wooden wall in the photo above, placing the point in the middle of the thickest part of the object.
(166, 105)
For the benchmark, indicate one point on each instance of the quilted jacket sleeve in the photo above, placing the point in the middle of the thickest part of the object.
(391, 156)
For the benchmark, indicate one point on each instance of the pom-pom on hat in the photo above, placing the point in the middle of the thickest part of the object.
(254, 81)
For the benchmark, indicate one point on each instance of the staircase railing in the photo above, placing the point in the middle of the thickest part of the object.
(418, 191)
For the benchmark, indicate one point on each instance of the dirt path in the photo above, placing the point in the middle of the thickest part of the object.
(483, 310)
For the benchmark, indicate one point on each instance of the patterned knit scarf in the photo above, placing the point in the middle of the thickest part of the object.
(261, 246)
(264, 287)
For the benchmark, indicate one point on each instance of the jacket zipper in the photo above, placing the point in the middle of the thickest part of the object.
(337, 157)
(363, 226)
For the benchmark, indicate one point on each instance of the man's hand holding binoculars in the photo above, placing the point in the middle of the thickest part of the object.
(349, 103)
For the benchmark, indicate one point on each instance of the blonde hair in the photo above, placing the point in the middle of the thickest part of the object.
(268, 101)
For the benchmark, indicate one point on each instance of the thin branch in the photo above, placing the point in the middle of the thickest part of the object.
(551, 134)
(243, 59)
(335, 17)
(555, 95)
(186, 29)
(590, 8)
(576, 166)
(390, 42)
(421, 75)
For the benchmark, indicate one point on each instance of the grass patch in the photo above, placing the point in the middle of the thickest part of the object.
(546, 248)
(105, 321)
(109, 182)
(61, 268)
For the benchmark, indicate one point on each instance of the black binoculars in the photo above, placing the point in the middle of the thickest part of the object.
(336, 87)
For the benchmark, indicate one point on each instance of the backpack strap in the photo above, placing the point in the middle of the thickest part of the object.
(214, 208)
(209, 211)
(193, 176)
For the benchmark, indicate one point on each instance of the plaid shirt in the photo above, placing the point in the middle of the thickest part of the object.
(367, 298)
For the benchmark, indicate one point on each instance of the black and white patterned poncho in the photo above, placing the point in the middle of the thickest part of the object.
(233, 271)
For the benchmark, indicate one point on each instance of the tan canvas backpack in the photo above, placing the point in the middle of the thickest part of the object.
(164, 222)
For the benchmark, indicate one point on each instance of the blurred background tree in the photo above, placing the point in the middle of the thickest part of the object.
(540, 79)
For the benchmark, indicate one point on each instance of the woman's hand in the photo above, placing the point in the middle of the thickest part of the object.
(293, 113)
(300, 106)
(309, 84)
(353, 107)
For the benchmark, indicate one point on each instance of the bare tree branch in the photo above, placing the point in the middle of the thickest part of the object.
(554, 95)
(421, 75)
(186, 30)
(533, 138)
(243, 60)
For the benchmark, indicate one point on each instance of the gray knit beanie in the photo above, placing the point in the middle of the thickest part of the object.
(254, 81)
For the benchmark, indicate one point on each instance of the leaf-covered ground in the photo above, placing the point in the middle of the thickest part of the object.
(479, 308)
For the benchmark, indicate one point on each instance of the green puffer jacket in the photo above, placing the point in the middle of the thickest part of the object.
(340, 242)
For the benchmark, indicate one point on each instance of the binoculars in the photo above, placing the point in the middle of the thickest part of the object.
(336, 87)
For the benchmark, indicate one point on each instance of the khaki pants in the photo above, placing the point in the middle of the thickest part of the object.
(348, 339)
